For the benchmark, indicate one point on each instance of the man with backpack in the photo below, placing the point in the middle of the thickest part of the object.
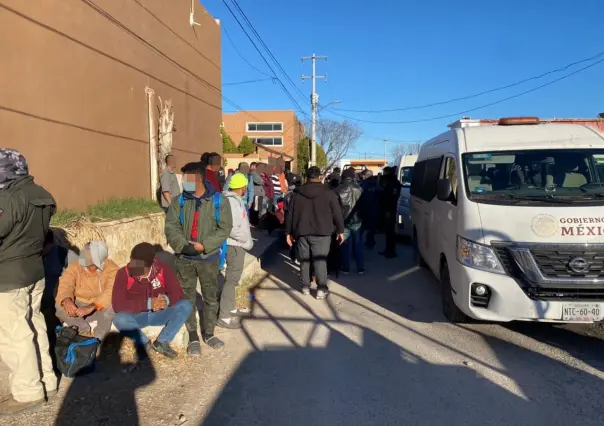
(198, 224)
(238, 243)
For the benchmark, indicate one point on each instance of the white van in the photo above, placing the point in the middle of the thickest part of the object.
(404, 171)
(510, 217)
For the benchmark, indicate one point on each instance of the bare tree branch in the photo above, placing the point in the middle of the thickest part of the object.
(337, 138)
(405, 149)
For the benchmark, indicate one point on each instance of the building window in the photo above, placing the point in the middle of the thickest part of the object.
(269, 141)
(264, 127)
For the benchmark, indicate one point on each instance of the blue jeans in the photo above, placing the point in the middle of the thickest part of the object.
(173, 318)
(353, 245)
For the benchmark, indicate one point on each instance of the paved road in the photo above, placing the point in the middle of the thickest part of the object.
(378, 351)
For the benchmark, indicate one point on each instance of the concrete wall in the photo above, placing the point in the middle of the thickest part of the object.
(72, 90)
(293, 130)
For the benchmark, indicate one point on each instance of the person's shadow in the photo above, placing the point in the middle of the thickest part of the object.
(106, 396)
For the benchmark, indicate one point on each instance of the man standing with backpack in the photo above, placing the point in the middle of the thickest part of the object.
(198, 224)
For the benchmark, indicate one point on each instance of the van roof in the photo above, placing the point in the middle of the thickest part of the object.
(533, 136)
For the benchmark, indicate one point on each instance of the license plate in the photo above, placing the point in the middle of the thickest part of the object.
(589, 312)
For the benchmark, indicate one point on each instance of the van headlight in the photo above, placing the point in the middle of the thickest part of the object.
(478, 256)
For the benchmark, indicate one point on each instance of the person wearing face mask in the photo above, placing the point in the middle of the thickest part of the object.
(198, 224)
(147, 292)
(85, 289)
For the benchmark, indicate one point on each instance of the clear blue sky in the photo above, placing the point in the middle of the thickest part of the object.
(405, 53)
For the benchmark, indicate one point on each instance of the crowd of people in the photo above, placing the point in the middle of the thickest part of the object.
(207, 226)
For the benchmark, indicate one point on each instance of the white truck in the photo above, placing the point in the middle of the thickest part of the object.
(404, 170)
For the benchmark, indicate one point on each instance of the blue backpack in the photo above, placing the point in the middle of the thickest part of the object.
(217, 198)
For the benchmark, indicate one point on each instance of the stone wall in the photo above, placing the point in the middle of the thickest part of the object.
(120, 235)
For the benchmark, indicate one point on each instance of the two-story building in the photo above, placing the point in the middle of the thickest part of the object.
(275, 133)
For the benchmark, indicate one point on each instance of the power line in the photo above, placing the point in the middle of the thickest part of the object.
(240, 55)
(457, 114)
(462, 98)
(249, 81)
(264, 59)
(291, 82)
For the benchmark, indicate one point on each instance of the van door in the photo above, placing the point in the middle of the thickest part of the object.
(446, 213)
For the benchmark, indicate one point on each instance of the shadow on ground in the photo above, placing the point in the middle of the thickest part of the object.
(371, 380)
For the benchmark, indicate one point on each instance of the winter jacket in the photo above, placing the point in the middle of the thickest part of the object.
(213, 179)
(77, 283)
(390, 195)
(314, 209)
(269, 188)
(134, 294)
(209, 233)
(248, 198)
(349, 193)
(241, 234)
(258, 184)
(25, 212)
(370, 202)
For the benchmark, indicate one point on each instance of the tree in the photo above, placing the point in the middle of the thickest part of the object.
(227, 143)
(303, 156)
(405, 149)
(337, 138)
(246, 146)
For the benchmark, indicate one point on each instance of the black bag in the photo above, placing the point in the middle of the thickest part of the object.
(74, 352)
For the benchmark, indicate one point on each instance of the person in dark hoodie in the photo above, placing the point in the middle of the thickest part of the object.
(196, 230)
(313, 215)
(146, 292)
(349, 192)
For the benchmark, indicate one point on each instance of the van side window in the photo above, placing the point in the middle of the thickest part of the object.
(425, 178)
(451, 173)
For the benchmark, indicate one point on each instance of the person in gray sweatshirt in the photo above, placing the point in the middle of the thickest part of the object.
(239, 241)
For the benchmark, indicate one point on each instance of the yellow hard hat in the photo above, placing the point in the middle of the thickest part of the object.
(238, 181)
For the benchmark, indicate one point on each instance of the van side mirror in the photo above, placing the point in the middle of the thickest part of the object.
(444, 191)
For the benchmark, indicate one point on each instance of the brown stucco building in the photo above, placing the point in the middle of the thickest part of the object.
(72, 90)
(277, 131)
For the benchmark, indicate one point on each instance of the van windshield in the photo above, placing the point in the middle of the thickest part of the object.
(406, 175)
(556, 176)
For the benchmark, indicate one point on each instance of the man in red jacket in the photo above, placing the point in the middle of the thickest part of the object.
(147, 292)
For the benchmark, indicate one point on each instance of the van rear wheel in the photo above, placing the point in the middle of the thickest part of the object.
(450, 309)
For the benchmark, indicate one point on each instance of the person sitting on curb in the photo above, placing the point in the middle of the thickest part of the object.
(239, 241)
(84, 291)
(147, 292)
(197, 225)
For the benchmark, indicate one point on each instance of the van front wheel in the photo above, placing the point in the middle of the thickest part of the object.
(450, 309)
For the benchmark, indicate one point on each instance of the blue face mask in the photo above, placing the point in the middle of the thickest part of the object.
(188, 186)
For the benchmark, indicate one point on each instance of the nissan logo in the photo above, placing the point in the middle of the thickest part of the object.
(579, 265)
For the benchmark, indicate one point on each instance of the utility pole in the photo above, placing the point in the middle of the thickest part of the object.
(314, 102)
(385, 145)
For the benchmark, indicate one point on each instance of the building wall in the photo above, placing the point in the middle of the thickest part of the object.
(235, 124)
(72, 97)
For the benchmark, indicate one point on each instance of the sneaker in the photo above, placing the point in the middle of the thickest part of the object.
(305, 290)
(232, 323)
(214, 342)
(194, 348)
(344, 272)
(243, 312)
(12, 406)
(321, 294)
(361, 272)
(164, 349)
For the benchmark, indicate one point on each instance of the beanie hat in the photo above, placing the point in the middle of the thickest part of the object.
(238, 181)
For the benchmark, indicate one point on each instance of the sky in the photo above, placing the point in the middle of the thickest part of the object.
(391, 54)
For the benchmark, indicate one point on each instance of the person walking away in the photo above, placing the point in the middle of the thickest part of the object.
(349, 192)
(147, 292)
(197, 225)
(390, 195)
(239, 241)
(169, 183)
(210, 171)
(293, 181)
(314, 214)
(370, 206)
(25, 212)
(85, 289)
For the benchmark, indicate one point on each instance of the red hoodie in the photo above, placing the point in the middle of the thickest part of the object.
(269, 187)
(133, 294)
(211, 176)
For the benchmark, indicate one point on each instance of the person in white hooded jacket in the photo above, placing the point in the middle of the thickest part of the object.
(238, 243)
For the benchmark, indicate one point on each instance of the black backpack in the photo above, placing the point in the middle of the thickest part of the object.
(74, 352)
